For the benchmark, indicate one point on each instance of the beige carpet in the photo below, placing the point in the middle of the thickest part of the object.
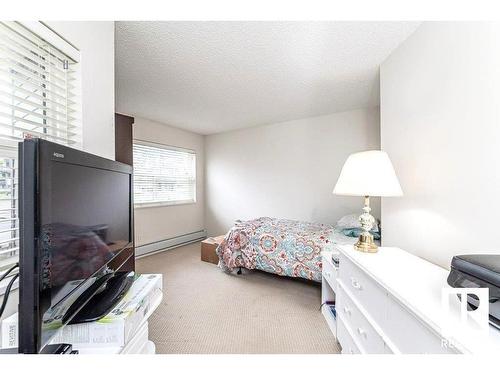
(205, 310)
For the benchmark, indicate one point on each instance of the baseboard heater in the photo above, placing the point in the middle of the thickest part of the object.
(170, 243)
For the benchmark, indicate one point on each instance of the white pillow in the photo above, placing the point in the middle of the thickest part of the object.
(352, 221)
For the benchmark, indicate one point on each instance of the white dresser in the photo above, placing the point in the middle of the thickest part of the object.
(391, 302)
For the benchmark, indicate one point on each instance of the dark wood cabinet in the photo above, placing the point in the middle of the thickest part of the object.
(124, 138)
(124, 154)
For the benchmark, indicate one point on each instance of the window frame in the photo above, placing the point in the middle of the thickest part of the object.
(171, 148)
(46, 33)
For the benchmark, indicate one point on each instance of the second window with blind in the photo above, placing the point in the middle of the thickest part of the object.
(163, 175)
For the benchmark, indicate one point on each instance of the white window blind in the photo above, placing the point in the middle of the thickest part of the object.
(39, 98)
(163, 175)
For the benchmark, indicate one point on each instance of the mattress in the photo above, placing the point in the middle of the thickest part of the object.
(280, 246)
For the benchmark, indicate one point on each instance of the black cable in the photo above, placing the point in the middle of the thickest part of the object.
(9, 286)
(9, 271)
(7, 292)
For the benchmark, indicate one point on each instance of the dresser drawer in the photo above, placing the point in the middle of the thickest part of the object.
(362, 331)
(366, 292)
(409, 334)
(346, 341)
(329, 273)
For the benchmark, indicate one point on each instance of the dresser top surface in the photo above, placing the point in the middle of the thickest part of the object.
(419, 286)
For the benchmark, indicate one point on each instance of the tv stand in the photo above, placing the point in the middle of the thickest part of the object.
(103, 301)
(139, 342)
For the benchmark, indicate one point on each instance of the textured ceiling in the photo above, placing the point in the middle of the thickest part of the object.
(210, 77)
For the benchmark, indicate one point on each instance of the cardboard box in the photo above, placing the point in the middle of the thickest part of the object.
(208, 248)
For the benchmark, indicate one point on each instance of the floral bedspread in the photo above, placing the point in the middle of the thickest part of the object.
(279, 246)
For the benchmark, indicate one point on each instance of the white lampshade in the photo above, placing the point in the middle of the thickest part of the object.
(368, 173)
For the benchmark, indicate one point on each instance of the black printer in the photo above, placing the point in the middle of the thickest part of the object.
(478, 271)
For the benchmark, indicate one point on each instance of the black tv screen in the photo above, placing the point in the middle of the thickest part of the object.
(84, 221)
(76, 218)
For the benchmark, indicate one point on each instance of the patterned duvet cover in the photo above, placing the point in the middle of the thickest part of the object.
(279, 246)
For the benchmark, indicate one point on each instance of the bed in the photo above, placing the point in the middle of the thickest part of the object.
(280, 246)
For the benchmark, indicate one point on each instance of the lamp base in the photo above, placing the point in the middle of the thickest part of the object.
(366, 244)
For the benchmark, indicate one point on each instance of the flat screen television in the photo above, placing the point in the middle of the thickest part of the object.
(76, 234)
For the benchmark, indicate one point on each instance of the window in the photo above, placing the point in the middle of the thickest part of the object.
(163, 175)
(39, 86)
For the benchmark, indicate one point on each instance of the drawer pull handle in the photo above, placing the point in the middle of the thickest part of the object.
(347, 310)
(355, 284)
(362, 332)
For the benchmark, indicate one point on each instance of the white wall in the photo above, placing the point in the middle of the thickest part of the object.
(285, 170)
(95, 40)
(159, 223)
(440, 124)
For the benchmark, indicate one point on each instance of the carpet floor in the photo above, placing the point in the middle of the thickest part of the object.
(206, 311)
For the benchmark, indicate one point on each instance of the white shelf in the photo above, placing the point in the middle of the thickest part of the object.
(330, 320)
(328, 292)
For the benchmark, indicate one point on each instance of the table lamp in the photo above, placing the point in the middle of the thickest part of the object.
(368, 173)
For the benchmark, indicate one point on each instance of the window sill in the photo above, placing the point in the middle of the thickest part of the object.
(162, 204)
